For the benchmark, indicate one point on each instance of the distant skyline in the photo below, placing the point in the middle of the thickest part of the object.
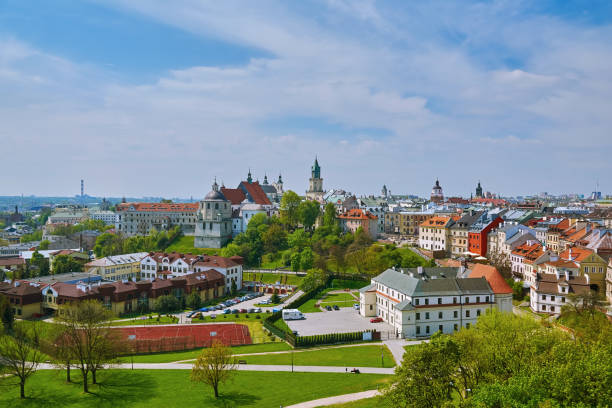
(156, 98)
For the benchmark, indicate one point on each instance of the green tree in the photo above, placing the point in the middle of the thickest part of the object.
(66, 264)
(295, 261)
(308, 212)
(329, 215)
(39, 263)
(6, 314)
(166, 304)
(275, 298)
(306, 259)
(274, 238)
(289, 209)
(44, 245)
(298, 239)
(34, 236)
(194, 301)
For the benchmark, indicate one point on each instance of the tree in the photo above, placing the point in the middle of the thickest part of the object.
(40, 263)
(329, 215)
(274, 238)
(425, 377)
(275, 298)
(295, 261)
(306, 259)
(19, 355)
(289, 209)
(6, 314)
(166, 304)
(313, 279)
(298, 239)
(214, 366)
(194, 301)
(66, 264)
(308, 212)
(44, 245)
(89, 340)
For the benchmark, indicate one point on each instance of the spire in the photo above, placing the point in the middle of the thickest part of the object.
(249, 178)
(215, 186)
(265, 179)
(316, 169)
(280, 179)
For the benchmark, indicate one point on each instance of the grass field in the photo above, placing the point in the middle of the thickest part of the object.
(344, 299)
(254, 324)
(309, 306)
(153, 321)
(172, 388)
(375, 402)
(193, 354)
(349, 284)
(359, 356)
(184, 245)
(265, 277)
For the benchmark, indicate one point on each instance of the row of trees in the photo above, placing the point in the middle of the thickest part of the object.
(115, 244)
(507, 361)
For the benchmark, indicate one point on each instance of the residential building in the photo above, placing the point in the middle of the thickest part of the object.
(434, 233)
(351, 220)
(551, 292)
(553, 236)
(459, 232)
(67, 216)
(501, 289)
(528, 251)
(108, 217)
(418, 302)
(24, 298)
(406, 223)
(478, 234)
(11, 264)
(117, 267)
(141, 218)
(376, 206)
(590, 264)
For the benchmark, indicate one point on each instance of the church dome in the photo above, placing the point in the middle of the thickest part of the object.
(214, 196)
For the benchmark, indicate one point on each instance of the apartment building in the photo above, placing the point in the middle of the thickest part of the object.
(117, 267)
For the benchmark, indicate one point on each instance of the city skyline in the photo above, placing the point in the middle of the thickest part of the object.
(156, 98)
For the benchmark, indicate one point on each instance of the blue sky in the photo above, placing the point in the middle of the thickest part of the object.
(157, 98)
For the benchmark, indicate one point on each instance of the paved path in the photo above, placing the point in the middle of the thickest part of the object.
(396, 347)
(338, 399)
(244, 367)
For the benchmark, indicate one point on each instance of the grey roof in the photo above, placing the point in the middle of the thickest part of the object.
(439, 286)
(268, 189)
(434, 272)
(367, 288)
(404, 305)
(397, 280)
(467, 220)
(473, 285)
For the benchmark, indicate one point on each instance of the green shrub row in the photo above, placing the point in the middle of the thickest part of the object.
(331, 338)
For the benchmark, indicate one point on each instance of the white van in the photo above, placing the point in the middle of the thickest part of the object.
(292, 314)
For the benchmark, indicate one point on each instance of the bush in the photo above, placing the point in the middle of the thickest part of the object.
(166, 304)
(194, 301)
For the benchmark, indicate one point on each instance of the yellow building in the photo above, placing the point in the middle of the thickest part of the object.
(117, 267)
(590, 264)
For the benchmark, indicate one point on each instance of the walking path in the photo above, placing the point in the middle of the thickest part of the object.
(241, 367)
(338, 399)
(396, 347)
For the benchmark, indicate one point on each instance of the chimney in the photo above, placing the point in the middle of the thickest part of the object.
(567, 275)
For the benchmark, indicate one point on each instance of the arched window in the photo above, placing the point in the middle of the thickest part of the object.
(216, 206)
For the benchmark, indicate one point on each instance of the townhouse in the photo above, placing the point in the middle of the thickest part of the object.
(434, 233)
(459, 233)
(406, 223)
(351, 220)
(478, 233)
(589, 263)
(418, 302)
(550, 292)
(529, 251)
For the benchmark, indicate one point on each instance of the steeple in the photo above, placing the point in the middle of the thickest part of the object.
(249, 178)
(479, 190)
(265, 179)
(215, 186)
(280, 179)
(316, 169)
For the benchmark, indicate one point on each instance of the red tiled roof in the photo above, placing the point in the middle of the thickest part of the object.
(11, 261)
(492, 275)
(234, 195)
(575, 254)
(159, 207)
(438, 222)
(357, 214)
(256, 192)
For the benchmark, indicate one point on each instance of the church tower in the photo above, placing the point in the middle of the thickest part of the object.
(315, 188)
(478, 190)
(214, 220)
(437, 196)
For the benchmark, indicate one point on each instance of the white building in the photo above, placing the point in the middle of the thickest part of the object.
(420, 301)
(551, 291)
(434, 233)
(108, 217)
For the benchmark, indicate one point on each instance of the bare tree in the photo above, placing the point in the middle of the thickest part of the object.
(88, 340)
(214, 366)
(19, 354)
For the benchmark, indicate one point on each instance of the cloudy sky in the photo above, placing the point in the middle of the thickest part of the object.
(145, 97)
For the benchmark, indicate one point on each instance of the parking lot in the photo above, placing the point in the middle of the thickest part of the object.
(248, 304)
(345, 320)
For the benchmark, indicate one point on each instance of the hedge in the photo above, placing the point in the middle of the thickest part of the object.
(330, 338)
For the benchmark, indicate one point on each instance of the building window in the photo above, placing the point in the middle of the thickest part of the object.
(455, 327)
(426, 329)
(543, 307)
(552, 298)
(441, 328)
(455, 314)
(478, 312)
(467, 300)
(454, 300)
(418, 330)
(439, 315)
(416, 302)
(487, 299)
(543, 297)
(439, 301)
(467, 325)
(418, 316)
(426, 315)
(467, 313)
(477, 299)
(426, 301)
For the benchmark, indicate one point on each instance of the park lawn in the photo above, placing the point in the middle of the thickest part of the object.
(172, 388)
(348, 284)
(339, 297)
(358, 356)
(266, 277)
(170, 357)
(184, 245)
(309, 306)
(375, 402)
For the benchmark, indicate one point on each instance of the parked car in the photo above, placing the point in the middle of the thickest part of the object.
(264, 302)
(376, 320)
(235, 311)
(251, 310)
(243, 311)
(191, 314)
(336, 307)
(257, 310)
(328, 308)
(356, 306)
(227, 311)
(213, 316)
(204, 309)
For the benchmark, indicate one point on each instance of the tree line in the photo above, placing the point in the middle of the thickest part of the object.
(108, 244)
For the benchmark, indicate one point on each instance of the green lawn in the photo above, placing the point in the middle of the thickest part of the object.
(193, 354)
(350, 284)
(153, 321)
(289, 279)
(309, 306)
(360, 356)
(184, 245)
(344, 299)
(172, 388)
(375, 402)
